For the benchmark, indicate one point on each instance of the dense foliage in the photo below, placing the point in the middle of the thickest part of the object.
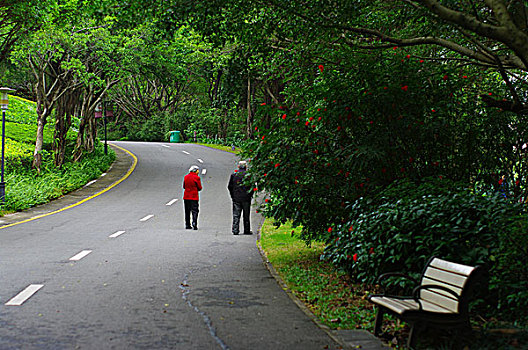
(404, 225)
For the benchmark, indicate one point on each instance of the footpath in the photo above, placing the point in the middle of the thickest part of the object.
(122, 167)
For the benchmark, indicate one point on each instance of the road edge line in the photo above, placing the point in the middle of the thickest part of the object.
(129, 172)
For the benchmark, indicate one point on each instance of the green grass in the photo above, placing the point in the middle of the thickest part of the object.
(25, 187)
(221, 147)
(330, 294)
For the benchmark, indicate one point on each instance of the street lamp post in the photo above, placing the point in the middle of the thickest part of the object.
(4, 102)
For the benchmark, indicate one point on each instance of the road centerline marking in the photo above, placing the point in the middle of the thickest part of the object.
(148, 217)
(171, 202)
(117, 234)
(185, 152)
(80, 255)
(200, 160)
(204, 171)
(24, 295)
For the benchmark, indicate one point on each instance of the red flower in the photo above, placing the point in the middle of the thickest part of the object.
(329, 230)
(265, 174)
(277, 165)
(255, 189)
(408, 56)
(284, 116)
(351, 228)
(411, 159)
(263, 104)
(321, 68)
(266, 200)
(355, 257)
(517, 183)
(490, 94)
(421, 61)
(405, 88)
(371, 251)
(308, 122)
(464, 77)
(395, 48)
(339, 128)
(445, 77)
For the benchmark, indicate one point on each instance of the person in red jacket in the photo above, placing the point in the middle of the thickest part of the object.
(191, 185)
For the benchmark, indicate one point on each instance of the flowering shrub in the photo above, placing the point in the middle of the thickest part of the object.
(348, 132)
(406, 224)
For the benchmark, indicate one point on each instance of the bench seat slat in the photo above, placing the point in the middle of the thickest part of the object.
(439, 300)
(428, 281)
(446, 277)
(399, 306)
(453, 267)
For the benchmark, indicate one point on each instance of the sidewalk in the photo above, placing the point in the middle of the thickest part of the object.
(348, 338)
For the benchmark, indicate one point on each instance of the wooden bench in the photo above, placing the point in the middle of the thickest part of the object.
(440, 299)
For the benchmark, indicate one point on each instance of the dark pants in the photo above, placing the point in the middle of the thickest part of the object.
(238, 208)
(191, 207)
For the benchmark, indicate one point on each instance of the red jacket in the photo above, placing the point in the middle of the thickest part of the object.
(191, 184)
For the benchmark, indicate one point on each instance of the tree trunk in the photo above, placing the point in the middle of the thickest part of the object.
(65, 109)
(37, 155)
(249, 123)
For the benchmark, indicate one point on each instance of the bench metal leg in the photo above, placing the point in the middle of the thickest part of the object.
(411, 342)
(379, 320)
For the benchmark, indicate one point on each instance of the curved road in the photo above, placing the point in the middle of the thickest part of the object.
(120, 271)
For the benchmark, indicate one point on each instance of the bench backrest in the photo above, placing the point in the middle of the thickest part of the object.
(457, 277)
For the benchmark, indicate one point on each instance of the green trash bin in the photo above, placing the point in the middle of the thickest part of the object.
(175, 136)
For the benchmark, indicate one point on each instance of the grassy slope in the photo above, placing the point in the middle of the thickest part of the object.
(24, 186)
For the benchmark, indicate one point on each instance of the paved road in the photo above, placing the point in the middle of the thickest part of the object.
(138, 279)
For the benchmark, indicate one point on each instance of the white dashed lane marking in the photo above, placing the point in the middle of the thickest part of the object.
(117, 234)
(204, 171)
(80, 255)
(24, 295)
(171, 202)
(185, 152)
(147, 218)
(200, 160)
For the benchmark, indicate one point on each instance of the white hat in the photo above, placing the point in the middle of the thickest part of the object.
(193, 168)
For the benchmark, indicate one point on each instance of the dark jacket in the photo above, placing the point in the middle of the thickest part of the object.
(191, 184)
(238, 191)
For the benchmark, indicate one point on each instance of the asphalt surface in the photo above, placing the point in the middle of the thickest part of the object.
(112, 267)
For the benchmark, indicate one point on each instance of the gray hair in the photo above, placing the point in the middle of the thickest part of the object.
(242, 164)
(193, 168)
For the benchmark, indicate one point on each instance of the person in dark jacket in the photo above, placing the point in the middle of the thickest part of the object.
(241, 196)
(191, 185)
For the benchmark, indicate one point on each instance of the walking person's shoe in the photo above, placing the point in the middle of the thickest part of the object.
(248, 233)
(188, 227)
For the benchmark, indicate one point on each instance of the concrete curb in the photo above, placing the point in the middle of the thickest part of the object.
(347, 339)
